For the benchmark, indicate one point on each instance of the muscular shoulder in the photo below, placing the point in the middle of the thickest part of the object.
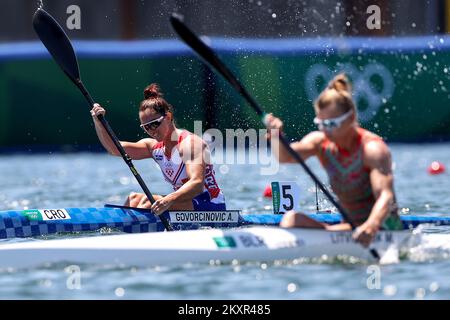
(315, 136)
(149, 142)
(193, 141)
(369, 136)
(309, 145)
(376, 152)
(314, 139)
(192, 146)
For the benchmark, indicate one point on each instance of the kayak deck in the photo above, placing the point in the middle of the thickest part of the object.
(38, 222)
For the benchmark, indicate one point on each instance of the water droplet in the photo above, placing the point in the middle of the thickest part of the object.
(291, 287)
(119, 292)
(390, 290)
(420, 293)
(434, 286)
(124, 181)
(224, 169)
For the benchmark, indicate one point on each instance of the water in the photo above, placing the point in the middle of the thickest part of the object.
(70, 180)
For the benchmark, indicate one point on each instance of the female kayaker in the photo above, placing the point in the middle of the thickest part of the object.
(182, 157)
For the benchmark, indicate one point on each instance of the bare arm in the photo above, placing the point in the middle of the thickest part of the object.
(136, 150)
(305, 148)
(378, 159)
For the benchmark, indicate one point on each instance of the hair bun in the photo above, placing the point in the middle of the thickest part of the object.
(152, 91)
(340, 83)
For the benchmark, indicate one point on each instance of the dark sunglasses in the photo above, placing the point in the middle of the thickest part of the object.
(152, 125)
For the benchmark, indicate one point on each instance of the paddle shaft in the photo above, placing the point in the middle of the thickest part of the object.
(212, 59)
(208, 55)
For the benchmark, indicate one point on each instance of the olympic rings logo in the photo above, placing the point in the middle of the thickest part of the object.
(365, 85)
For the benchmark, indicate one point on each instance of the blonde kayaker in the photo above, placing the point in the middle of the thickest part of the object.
(357, 161)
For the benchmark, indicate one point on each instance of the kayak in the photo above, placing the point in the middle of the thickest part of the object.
(39, 222)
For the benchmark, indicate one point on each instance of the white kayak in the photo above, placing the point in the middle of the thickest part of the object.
(196, 246)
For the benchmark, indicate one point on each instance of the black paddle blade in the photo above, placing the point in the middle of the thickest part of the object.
(57, 43)
(197, 45)
(209, 56)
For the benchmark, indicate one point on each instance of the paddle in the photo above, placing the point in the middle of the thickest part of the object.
(58, 44)
(213, 60)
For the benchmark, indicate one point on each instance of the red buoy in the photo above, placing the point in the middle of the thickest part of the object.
(268, 191)
(436, 168)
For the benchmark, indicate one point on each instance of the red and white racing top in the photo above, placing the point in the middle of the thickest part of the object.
(174, 170)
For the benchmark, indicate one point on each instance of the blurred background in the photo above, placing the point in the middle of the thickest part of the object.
(147, 19)
(284, 52)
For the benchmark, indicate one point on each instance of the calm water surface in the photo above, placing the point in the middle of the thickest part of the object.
(83, 179)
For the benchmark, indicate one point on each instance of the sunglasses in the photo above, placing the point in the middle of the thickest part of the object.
(333, 123)
(152, 125)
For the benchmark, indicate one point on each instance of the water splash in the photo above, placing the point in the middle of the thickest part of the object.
(40, 4)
